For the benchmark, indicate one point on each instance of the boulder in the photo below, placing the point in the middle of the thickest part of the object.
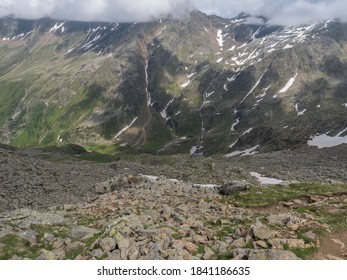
(261, 232)
(46, 255)
(238, 243)
(102, 188)
(290, 243)
(282, 219)
(261, 254)
(82, 232)
(233, 187)
(108, 244)
(260, 244)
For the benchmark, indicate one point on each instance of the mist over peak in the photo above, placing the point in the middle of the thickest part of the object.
(283, 12)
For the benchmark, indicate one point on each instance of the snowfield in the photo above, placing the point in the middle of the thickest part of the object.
(326, 141)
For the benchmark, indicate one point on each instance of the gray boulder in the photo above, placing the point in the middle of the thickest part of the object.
(260, 254)
(233, 187)
(81, 232)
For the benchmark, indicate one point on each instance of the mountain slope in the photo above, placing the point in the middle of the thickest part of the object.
(204, 85)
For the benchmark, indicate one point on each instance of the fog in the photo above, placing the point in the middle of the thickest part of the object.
(285, 12)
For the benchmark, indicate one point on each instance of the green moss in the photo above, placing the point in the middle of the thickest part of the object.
(176, 236)
(56, 231)
(104, 149)
(14, 245)
(200, 250)
(87, 220)
(91, 240)
(275, 194)
(249, 245)
(74, 253)
(303, 253)
(224, 256)
(301, 235)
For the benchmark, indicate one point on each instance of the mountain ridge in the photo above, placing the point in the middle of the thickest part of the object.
(205, 85)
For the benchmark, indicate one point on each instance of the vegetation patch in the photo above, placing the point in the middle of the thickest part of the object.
(265, 196)
(14, 245)
(303, 253)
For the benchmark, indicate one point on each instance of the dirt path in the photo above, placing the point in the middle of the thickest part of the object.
(332, 247)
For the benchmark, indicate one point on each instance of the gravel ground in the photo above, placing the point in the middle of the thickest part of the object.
(26, 180)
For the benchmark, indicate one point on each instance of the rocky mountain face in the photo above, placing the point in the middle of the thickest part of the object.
(204, 85)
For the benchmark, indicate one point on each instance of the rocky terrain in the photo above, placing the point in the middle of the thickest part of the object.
(192, 138)
(72, 207)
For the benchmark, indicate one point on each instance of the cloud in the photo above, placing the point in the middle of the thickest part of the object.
(286, 12)
(94, 10)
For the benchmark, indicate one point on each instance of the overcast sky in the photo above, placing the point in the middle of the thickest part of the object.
(286, 12)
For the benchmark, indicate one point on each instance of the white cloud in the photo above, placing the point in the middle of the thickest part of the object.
(92, 10)
(287, 12)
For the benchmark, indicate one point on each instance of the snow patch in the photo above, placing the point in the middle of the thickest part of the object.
(247, 131)
(233, 144)
(232, 48)
(126, 128)
(220, 38)
(247, 152)
(187, 83)
(204, 186)
(263, 94)
(300, 113)
(236, 122)
(191, 75)
(149, 97)
(208, 94)
(266, 180)
(326, 141)
(255, 86)
(60, 139)
(193, 150)
(288, 46)
(150, 177)
(56, 27)
(289, 84)
(164, 112)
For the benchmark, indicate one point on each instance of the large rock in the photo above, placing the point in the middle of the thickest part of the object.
(133, 251)
(24, 218)
(123, 245)
(233, 187)
(28, 235)
(261, 232)
(282, 219)
(108, 244)
(259, 254)
(291, 243)
(47, 255)
(104, 187)
(238, 243)
(82, 232)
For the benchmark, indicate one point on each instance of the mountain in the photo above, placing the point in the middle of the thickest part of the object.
(203, 85)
